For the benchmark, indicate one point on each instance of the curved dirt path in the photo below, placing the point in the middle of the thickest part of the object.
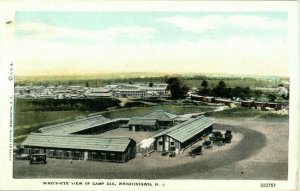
(139, 168)
(251, 143)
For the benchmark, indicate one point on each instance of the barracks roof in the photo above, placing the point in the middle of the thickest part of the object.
(142, 121)
(186, 130)
(84, 142)
(161, 115)
(76, 125)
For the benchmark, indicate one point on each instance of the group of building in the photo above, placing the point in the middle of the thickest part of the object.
(69, 92)
(81, 138)
(263, 105)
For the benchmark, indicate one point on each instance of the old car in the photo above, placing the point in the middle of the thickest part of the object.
(216, 136)
(172, 154)
(22, 157)
(195, 151)
(207, 145)
(164, 153)
(38, 159)
(228, 136)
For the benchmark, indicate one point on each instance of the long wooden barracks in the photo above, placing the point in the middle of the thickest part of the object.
(179, 137)
(86, 147)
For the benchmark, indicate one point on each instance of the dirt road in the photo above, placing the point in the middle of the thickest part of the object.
(260, 154)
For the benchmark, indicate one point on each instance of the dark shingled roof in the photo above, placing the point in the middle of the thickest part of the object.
(186, 130)
(84, 142)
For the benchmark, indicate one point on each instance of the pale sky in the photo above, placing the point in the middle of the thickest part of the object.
(50, 43)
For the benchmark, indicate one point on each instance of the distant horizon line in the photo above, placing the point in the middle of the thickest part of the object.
(155, 74)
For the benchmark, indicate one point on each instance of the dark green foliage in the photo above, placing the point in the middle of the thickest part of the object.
(285, 97)
(240, 92)
(220, 90)
(204, 84)
(204, 90)
(257, 93)
(177, 87)
(134, 104)
(151, 84)
(271, 97)
(65, 104)
(152, 100)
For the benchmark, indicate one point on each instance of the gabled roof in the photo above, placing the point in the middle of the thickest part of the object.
(75, 126)
(142, 121)
(186, 130)
(84, 142)
(161, 115)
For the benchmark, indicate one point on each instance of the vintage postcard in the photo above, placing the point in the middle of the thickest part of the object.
(144, 95)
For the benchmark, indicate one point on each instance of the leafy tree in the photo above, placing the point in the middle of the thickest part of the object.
(220, 90)
(204, 90)
(204, 84)
(151, 84)
(241, 92)
(258, 93)
(271, 97)
(87, 84)
(286, 97)
(177, 87)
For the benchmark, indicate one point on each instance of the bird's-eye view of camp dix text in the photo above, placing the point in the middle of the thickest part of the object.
(151, 95)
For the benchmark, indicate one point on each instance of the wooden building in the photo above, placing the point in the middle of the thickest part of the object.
(157, 120)
(179, 137)
(247, 103)
(143, 124)
(276, 106)
(209, 99)
(90, 125)
(196, 97)
(164, 118)
(81, 147)
(223, 101)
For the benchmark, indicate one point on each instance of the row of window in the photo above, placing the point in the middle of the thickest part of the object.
(172, 143)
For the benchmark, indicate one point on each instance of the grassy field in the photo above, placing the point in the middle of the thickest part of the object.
(142, 111)
(27, 122)
(190, 80)
(37, 117)
(232, 82)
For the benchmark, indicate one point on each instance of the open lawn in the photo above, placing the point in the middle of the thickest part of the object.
(142, 111)
(38, 117)
(29, 121)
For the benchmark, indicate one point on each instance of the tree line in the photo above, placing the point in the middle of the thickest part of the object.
(179, 90)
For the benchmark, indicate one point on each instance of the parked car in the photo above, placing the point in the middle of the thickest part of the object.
(172, 154)
(22, 157)
(164, 153)
(228, 136)
(38, 159)
(207, 145)
(195, 151)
